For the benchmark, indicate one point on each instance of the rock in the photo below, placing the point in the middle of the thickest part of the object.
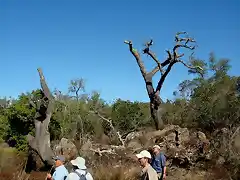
(224, 130)
(201, 136)
(134, 145)
(181, 147)
(183, 135)
(220, 160)
(104, 139)
(237, 142)
(86, 146)
(4, 145)
(133, 135)
(34, 162)
(66, 148)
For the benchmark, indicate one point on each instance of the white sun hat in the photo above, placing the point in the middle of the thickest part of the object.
(156, 146)
(79, 162)
(144, 154)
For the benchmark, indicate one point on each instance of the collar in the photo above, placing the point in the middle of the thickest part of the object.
(145, 168)
(158, 154)
(59, 167)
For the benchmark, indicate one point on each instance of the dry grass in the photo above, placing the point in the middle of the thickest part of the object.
(116, 173)
(12, 168)
(12, 164)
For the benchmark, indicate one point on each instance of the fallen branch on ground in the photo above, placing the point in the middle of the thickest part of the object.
(100, 152)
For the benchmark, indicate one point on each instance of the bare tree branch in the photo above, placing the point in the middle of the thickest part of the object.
(137, 57)
(146, 50)
(100, 152)
(109, 121)
(156, 69)
(182, 43)
(163, 77)
(44, 86)
(197, 68)
(174, 58)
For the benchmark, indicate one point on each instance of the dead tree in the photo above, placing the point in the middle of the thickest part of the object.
(164, 67)
(44, 108)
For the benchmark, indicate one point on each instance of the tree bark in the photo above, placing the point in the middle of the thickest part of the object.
(155, 100)
(154, 94)
(41, 142)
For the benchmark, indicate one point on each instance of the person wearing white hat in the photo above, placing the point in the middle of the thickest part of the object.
(79, 170)
(159, 162)
(148, 173)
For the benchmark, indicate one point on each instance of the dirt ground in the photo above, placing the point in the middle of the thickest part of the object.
(33, 176)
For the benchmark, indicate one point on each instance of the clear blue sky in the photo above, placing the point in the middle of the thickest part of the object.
(71, 39)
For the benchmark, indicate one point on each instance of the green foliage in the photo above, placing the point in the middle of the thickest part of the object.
(128, 115)
(20, 116)
(209, 103)
(4, 128)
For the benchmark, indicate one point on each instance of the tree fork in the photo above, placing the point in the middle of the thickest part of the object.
(174, 57)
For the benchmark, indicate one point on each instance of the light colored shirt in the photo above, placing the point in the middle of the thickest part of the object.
(74, 176)
(148, 173)
(60, 173)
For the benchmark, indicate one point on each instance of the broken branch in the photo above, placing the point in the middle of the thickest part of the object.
(44, 86)
(100, 152)
(41, 142)
(137, 57)
(109, 121)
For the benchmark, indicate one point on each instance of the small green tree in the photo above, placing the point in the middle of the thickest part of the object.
(127, 115)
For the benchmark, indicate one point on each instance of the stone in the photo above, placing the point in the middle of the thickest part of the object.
(86, 146)
(66, 148)
(220, 160)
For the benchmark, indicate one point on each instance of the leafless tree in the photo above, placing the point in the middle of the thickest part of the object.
(164, 67)
(44, 108)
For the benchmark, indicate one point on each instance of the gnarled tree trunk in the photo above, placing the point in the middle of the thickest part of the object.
(154, 94)
(41, 142)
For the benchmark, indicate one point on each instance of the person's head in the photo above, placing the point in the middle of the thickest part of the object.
(156, 149)
(79, 163)
(59, 160)
(144, 158)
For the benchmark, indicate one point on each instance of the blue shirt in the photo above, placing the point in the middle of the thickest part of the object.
(158, 162)
(60, 173)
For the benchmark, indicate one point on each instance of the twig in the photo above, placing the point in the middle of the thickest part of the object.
(109, 121)
(197, 68)
(146, 50)
(100, 152)
(140, 63)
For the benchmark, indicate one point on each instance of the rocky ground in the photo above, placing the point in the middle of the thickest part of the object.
(189, 156)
